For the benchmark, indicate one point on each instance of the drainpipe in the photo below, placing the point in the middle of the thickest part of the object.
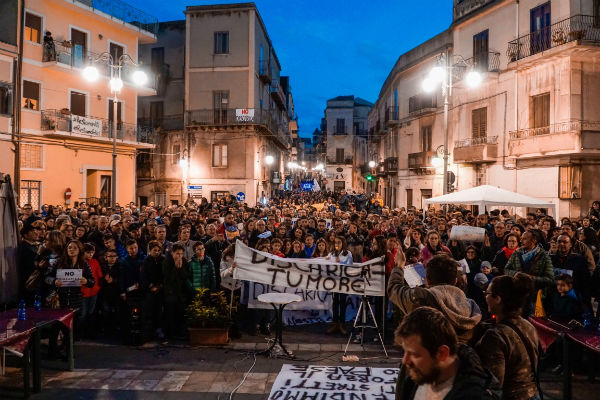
(16, 133)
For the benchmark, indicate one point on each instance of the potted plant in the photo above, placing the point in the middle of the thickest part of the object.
(208, 318)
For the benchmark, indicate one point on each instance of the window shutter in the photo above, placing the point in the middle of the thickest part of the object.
(223, 155)
(216, 155)
(475, 123)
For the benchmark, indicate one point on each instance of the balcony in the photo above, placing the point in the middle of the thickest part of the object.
(390, 165)
(422, 104)
(489, 62)
(391, 116)
(578, 28)
(264, 72)
(339, 161)
(465, 7)
(229, 118)
(67, 57)
(63, 124)
(277, 93)
(421, 160)
(340, 130)
(125, 12)
(560, 138)
(476, 150)
(167, 123)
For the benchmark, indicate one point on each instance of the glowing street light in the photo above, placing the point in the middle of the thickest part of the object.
(473, 79)
(269, 159)
(371, 164)
(90, 73)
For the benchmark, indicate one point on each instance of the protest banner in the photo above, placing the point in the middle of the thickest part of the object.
(334, 383)
(311, 300)
(69, 277)
(309, 274)
(467, 233)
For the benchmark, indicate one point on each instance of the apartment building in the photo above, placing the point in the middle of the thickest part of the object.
(9, 40)
(345, 126)
(66, 140)
(238, 113)
(530, 126)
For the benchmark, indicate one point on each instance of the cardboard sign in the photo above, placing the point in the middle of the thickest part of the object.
(309, 274)
(334, 383)
(467, 233)
(69, 277)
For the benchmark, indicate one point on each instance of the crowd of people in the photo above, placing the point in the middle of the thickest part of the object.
(154, 257)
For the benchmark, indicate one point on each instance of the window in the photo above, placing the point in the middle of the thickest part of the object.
(339, 155)
(78, 52)
(480, 175)
(219, 155)
(175, 154)
(540, 111)
(221, 42)
(340, 125)
(31, 95)
(30, 193)
(479, 123)
(31, 156)
(78, 103)
(596, 13)
(157, 59)
(116, 51)
(156, 113)
(426, 138)
(425, 194)
(569, 182)
(33, 28)
(5, 98)
(422, 101)
(480, 50)
(220, 104)
(409, 198)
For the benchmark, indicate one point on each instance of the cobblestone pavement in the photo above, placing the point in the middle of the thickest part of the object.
(177, 371)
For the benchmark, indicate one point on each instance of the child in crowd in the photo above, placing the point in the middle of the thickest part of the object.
(90, 295)
(152, 284)
(202, 269)
(110, 290)
(276, 245)
(565, 303)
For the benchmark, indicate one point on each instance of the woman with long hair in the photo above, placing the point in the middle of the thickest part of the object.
(433, 246)
(321, 250)
(340, 255)
(509, 349)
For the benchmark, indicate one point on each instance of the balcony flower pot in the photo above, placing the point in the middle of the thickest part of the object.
(208, 318)
(577, 35)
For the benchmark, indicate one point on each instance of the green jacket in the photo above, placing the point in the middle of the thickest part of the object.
(539, 267)
(203, 273)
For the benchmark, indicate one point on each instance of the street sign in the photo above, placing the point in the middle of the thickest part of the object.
(241, 196)
(195, 190)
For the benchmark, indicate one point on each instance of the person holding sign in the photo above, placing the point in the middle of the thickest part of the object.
(340, 254)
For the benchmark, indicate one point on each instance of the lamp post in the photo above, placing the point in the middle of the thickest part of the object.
(91, 74)
(442, 74)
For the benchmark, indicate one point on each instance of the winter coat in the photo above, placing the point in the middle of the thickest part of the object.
(177, 281)
(203, 273)
(97, 273)
(152, 272)
(539, 267)
(566, 307)
(71, 296)
(130, 273)
(472, 380)
(576, 263)
(427, 254)
(463, 313)
(502, 352)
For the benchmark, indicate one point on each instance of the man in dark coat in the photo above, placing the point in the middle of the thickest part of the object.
(435, 366)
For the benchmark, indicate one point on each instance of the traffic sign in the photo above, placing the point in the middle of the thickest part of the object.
(241, 196)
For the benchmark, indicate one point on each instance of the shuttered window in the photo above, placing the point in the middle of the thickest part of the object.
(540, 107)
(221, 42)
(480, 50)
(33, 28)
(479, 123)
(426, 138)
(569, 182)
(31, 95)
(219, 155)
(176, 154)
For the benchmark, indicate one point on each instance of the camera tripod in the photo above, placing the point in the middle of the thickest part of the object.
(363, 324)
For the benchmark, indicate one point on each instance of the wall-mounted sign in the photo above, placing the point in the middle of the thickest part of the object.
(244, 114)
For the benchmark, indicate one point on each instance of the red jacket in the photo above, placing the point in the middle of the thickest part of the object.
(97, 273)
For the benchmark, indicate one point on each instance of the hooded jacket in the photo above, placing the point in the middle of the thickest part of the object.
(463, 313)
(472, 381)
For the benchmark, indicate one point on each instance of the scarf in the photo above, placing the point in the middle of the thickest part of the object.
(508, 252)
(528, 256)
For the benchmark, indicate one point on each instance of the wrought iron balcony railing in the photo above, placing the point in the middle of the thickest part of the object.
(485, 62)
(576, 28)
(246, 116)
(468, 142)
(334, 160)
(125, 12)
(560, 127)
(66, 123)
(167, 123)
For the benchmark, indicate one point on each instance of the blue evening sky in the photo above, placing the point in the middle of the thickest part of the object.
(333, 47)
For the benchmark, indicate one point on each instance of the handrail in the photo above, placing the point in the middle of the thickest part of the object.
(476, 141)
(560, 127)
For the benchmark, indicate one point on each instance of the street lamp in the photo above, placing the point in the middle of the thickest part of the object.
(442, 74)
(371, 164)
(269, 159)
(139, 77)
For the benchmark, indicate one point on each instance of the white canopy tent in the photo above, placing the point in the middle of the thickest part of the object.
(487, 195)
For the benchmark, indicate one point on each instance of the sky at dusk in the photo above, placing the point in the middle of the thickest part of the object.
(333, 47)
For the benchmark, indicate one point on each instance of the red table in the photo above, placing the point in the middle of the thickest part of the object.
(23, 338)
